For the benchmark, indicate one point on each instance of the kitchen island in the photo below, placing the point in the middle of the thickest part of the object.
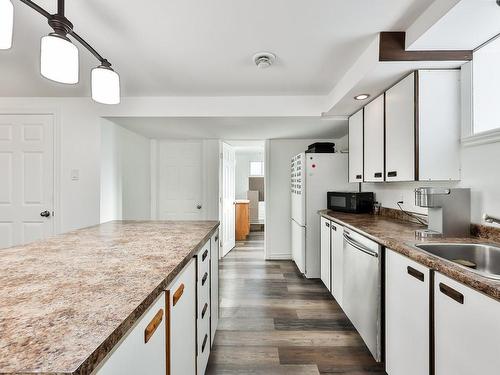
(65, 302)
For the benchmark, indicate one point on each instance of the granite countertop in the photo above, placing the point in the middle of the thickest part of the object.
(66, 301)
(397, 235)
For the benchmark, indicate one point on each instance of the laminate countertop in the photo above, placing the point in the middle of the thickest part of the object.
(398, 235)
(66, 301)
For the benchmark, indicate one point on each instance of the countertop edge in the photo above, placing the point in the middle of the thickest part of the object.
(447, 268)
(100, 353)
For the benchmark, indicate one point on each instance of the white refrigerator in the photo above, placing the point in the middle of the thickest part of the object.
(312, 176)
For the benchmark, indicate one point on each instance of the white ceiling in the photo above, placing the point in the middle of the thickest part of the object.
(203, 48)
(234, 128)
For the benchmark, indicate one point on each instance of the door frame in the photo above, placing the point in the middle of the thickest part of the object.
(57, 145)
(267, 180)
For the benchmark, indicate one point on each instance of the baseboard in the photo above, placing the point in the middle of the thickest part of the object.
(282, 256)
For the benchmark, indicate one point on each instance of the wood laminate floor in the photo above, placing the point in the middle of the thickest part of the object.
(274, 321)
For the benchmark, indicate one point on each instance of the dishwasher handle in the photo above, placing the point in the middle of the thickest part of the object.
(359, 246)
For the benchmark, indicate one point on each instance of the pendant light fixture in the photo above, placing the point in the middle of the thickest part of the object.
(6, 23)
(59, 60)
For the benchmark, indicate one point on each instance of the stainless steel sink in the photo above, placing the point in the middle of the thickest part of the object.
(479, 258)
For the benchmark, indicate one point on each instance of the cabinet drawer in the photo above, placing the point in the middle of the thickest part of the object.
(203, 296)
(203, 260)
(203, 344)
(134, 354)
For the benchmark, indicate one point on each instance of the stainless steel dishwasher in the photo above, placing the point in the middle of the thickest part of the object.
(362, 288)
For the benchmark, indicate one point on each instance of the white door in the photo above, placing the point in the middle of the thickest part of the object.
(407, 292)
(326, 254)
(228, 198)
(400, 131)
(467, 327)
(356, 147)
(180, 180)
(374, 140)
(26, 178)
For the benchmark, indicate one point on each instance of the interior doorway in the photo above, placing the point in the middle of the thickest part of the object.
(242, 193)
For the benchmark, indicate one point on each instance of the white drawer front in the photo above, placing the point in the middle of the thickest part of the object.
(203, 344)
(203, 259)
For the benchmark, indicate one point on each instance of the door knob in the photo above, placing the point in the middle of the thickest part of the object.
(199, 207)
(45, 213)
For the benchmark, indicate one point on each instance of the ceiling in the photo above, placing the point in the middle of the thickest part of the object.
(205, 48)
(234, 128)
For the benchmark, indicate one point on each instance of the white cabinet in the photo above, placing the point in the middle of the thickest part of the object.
(143, 349)
(203, 313)
(214, 285)
(407, 291)
(400, 130)
(337, 251)
(422, 127)
(182, 325)
(374, 141)
(356, 147)
(325, 260)
(467, 328)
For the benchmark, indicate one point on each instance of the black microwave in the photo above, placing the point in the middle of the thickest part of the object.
(352, 202)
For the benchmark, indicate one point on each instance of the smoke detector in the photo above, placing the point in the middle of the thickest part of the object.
(264, 59)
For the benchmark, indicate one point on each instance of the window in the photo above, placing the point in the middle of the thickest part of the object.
(256, 168)
(485, 87)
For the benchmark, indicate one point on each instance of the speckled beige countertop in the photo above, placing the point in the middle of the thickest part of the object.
(399, 235)
(66, 301)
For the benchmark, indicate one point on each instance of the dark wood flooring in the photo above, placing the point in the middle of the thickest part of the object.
(274, 321)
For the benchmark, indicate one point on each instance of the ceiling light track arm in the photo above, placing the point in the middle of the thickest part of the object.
(63, 26)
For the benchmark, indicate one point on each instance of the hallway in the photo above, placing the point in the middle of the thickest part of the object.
(273, 321)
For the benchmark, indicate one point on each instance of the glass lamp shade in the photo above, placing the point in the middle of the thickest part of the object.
(105, 85)
(6, 23)
(59, 59)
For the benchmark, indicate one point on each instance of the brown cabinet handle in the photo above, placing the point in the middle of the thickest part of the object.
(153, 325)
(204, 343)
(415, 273)
(203, 312)
(204, 256)
(178, 294)
(452, 293)
(204, 279)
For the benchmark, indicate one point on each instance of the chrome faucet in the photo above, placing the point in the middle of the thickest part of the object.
(491, 219)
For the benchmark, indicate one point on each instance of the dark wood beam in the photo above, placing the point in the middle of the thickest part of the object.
(392, 48)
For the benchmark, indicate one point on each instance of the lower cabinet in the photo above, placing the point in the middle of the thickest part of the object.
(214, 285)
(203, 308)
(325, 253)
(143, 349)
(407, 291)
(337, 251)
(181, 329)
(467, 329)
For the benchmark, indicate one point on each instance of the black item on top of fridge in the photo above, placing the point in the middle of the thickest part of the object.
(321, 148)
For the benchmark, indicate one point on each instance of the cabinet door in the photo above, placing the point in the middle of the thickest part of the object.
(374, 141)
(407, 290)
(337, 250)
(214, 285)
(356, 147)
(136, 355)
(467, 328)
(326, 261)
(400, 130)
(439, 124)
(182, 327)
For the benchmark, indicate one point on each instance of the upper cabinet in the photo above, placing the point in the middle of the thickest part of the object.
(356, 147)
(374, 141)
(421, 122)
(400, 130)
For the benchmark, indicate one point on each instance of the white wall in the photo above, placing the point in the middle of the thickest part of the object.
(125, 174)
(243, 159)
(277, 182)
(480, 172)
